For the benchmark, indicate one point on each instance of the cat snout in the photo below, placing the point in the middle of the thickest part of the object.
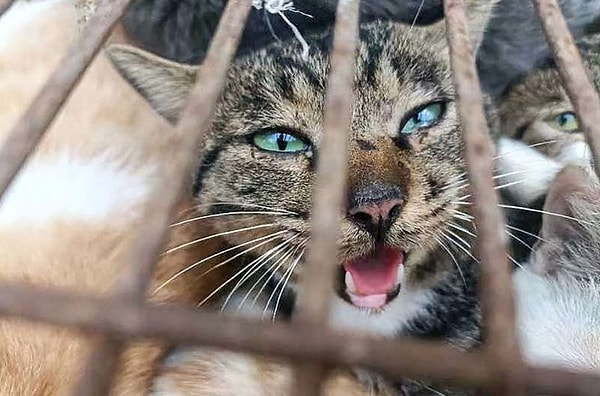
(375, 207)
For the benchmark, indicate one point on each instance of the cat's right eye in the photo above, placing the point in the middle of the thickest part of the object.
(566, 121)
(280, 142)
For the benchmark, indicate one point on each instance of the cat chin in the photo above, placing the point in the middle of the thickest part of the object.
(387, 321)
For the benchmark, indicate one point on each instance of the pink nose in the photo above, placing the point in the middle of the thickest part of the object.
(377, 216)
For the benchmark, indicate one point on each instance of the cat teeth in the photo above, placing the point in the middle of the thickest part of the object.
(400, 275)
(350, 283)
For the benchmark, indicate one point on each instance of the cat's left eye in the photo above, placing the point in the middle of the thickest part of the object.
(566, 121)
(280, 142)
(423, 117)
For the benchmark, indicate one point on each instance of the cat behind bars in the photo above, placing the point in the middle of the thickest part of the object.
(404, 268)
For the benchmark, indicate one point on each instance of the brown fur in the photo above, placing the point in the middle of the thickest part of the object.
(398, 70)
(104, 119)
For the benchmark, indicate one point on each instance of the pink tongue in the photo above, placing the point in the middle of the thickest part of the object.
(375, 275)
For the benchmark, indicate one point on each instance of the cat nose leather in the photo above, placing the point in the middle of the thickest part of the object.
(376, 207)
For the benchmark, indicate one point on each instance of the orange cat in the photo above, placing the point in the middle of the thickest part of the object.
(68, 219)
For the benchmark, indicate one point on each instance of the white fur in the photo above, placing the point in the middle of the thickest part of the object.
(406, 306)
(66, 187)
(533, 170)
(559, 321)
(22, 15)
(576, 153)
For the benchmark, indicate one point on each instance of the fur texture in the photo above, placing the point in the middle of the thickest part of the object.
(557, 290)
(515, 42)
(399, 70)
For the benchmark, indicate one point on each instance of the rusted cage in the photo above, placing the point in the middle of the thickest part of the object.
(497, 367)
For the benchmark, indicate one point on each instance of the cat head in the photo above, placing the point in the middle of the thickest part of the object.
(406, 168)
(569, 240)
(537, 111)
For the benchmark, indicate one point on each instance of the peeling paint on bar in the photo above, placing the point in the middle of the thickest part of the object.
(582, 93)
(496, 273)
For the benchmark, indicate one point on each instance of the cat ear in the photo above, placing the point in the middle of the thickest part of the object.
(163, 83)
(571, 183)
(479, 14)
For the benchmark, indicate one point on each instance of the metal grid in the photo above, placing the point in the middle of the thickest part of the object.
(497, 367)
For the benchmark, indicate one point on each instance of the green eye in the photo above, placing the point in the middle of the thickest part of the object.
(279, 142)
(422, 118)
(566, 121)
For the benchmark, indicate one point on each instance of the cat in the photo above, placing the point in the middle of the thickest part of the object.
(557, 290)
(536, 112)
(540, 135)
(68, 220)
(69, 217)
(399, 272)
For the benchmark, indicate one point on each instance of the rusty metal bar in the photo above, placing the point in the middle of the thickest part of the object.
(5, 5)
(298, 342)
(412, 358)
(30, 128)
(496, 282)
(330, 189)
(194, 122)
(582, 93)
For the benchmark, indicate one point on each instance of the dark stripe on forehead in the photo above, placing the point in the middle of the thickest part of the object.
(208, 162)
(306, 70)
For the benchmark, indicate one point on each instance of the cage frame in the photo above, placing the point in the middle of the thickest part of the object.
(497, 366)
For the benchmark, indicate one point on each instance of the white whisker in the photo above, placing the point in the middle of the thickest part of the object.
(516, 238)
(196, 241)
(459, 228)
(271, 270)
(443, 245)
(530, 234)
(526, 209)
(257, 267)
(197, 263)
(528, 145)
(232, 278)
(290, 272)
(226, 214)
(246, 205)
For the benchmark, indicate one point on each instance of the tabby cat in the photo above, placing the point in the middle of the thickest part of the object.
(403, 268)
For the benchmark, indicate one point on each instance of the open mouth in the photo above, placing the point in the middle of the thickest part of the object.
(373, 280)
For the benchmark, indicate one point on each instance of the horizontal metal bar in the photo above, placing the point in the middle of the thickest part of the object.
(297, 342)
(147, 246)
(582, 93)
(32, 125)
(176, 324)
(330, 190)
(496, 282)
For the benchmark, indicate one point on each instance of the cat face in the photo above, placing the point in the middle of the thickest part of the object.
(405, 154)
(537, 111)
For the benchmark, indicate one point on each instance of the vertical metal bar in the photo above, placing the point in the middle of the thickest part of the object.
(330, 189)
(496, 283)
(582, 93)
(37, 118)
(5, 5)
(194, 122)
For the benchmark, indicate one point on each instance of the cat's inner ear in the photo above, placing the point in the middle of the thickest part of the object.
(165, 84)
(572, 183)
